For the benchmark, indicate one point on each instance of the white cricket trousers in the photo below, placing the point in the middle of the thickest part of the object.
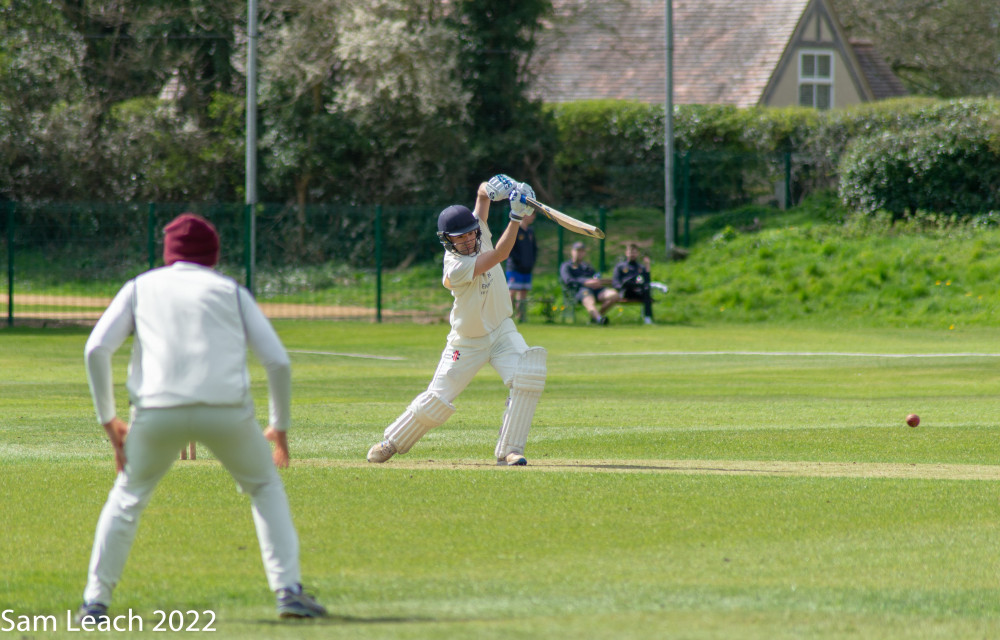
(462, 358)
(154, 441)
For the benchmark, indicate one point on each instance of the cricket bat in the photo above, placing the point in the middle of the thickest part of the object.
(563, 220)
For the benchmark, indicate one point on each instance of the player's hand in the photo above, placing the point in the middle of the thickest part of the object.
(518, 209)
(499, 187)
(525, 189)
(117, 429)
(280, 441)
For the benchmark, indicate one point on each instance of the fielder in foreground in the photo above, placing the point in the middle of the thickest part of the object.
(482, 330)
(188, 380)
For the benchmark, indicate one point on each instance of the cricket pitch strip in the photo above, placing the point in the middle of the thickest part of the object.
(891, 470)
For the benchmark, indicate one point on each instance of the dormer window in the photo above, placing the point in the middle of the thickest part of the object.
(816, 79)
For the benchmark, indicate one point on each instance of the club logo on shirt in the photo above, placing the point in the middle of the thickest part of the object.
(455, 355)
(484, 284)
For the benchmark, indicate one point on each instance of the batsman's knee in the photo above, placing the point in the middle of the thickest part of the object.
(531, 371)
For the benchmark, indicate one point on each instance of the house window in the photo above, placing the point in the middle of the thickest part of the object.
(816, 79)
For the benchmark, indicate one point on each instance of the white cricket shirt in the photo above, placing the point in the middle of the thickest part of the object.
(481, 303)
(192, 327)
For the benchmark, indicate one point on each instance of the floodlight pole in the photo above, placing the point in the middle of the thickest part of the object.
(251, 144)
(668, 130)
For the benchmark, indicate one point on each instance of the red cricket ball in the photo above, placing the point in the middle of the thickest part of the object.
(913, 419)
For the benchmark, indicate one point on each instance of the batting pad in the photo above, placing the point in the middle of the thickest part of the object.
(526, 389)
(425, 412)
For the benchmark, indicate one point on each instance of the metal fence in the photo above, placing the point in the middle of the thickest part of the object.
(64, 261)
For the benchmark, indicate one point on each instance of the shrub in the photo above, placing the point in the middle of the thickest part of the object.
(950, 167)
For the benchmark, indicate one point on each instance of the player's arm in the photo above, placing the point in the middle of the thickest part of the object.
(489, 259)
(488, 192)
(267, 346)
(482, 209)
(114, 326)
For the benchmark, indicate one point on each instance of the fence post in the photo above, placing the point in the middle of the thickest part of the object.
(559, 238)
(788, 180)
(686, 203)
(151, 236)
(602, 215)
(10, 264)
(248, 245)
(378, 263)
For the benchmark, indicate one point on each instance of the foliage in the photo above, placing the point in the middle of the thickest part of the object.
(508, 132)
(604, 144)
(358, 100)
(951, 168)
(948, 48)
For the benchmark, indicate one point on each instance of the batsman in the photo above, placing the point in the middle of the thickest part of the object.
(482, 330)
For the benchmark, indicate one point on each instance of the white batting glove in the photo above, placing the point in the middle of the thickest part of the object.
(499, 187)
(525, 189)
(518, 209)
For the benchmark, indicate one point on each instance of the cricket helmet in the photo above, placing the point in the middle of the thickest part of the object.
(457, 220)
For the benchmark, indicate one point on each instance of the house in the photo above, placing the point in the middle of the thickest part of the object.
(741, 53)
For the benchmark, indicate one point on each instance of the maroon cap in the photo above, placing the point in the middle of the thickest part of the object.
(190, 238)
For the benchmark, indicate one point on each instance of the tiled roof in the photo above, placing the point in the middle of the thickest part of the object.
(724, 50)
(883, 82)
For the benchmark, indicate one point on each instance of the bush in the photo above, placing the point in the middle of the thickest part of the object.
(951, 167)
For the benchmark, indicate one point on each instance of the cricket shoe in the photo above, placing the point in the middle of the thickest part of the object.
(94, 612)
(381, 451)
(293, 602)
(512, 460)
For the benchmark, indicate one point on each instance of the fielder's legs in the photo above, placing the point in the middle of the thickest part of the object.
(235, 438)
(150, 449)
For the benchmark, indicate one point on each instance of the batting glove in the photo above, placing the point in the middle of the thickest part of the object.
(525, 189)
(499, 187)
(518, 209)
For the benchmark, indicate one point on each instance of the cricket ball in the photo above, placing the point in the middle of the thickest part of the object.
(913, 419)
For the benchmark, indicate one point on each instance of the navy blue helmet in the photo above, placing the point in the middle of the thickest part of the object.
(455, 221)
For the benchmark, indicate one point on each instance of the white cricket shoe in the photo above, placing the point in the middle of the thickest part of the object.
(512, 460)
(381, 451)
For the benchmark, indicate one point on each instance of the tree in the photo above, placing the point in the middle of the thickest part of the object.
(945, 48)
(510, 132)
(360, 100)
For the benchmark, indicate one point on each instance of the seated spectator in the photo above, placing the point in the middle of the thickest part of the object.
(631, 280)
(582, 281)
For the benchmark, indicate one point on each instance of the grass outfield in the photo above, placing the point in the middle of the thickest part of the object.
(726, 481)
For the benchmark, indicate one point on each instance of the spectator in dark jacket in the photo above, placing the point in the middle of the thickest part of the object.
(520, 264)
(631, 280)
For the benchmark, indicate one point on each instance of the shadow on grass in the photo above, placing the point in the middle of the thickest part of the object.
(334, 619)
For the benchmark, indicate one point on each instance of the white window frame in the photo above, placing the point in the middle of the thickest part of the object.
(815, 81)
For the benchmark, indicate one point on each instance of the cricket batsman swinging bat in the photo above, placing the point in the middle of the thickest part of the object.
(563, 220)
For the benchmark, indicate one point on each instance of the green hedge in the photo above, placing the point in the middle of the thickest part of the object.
(951, 166)
(611, 153)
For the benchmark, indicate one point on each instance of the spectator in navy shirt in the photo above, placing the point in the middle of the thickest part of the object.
(520, 265)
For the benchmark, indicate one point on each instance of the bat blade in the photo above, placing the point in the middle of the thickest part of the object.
(563, 220)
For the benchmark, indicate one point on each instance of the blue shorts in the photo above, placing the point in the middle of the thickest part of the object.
(517, 281)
